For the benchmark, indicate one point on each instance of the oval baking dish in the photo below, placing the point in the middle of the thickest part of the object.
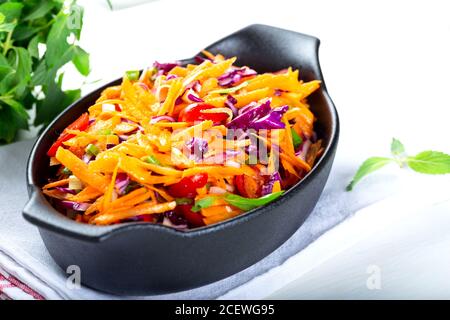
(143, 258)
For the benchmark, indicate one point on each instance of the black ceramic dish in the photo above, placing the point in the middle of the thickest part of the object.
(142, 258)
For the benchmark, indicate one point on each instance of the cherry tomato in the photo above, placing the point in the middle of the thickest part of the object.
(249, 187)
(80, 124)
(186, 187)
(194, 113)
(77, 150)
(194, 219)
(147, 218)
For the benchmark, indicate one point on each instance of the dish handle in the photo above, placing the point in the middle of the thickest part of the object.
(40, 213)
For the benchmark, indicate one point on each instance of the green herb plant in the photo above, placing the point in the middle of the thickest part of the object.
(428, 162)
(37, 38)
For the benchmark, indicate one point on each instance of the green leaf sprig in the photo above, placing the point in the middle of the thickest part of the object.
(251, 203)
(242, 203)
(37, 38)
(427, 162)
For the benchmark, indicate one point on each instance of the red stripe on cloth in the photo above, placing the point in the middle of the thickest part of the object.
(14, 283)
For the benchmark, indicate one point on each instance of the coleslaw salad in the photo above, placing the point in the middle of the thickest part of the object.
(185, 146)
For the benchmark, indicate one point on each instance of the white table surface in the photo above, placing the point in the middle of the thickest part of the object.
(386, 65)
(411, 257)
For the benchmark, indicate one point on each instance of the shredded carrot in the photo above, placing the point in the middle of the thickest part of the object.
(175, 90)
(204, 125)
(94, 207)
(55, 184)
(179, 71)
(131, 202)
(219, 213)
(124, 199)
(175, 125)
(161, 192)
(110, 190)
(288, 136)
(243, 99)
(220, 171)
(208, 54)
(81, 170)
(85, 195)
(145, 208)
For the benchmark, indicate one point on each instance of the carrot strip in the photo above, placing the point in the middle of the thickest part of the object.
(220, 171)
(110, 190)
(94, 207)
(161, 192)
(208, 70)
(85, 195)
(190, 132)
(55, 184)
(176, 89)
(288, 136)
(124, 199)
(175, 125)
(296, 161)
(243, 99)
(146, 208)
(130, 203)
(166, 171)
(208, 54)
(179, 71)
(219, 213)
(81, 170)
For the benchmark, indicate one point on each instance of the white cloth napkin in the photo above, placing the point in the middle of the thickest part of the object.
(23, 254)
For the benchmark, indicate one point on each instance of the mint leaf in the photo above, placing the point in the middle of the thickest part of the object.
(7, 27)
(33, 46)
(5, 68)
(42, 8)
(57, 42)
(430, 162)
(397, 148)
(17, 107)
(11, 10)
(368, 166)
(250, 203)
(48, 108)
(8, 80)
(203, 203)
(39, 75)
(22, 65)
(12, 118)
(81, 61)
(23, 32)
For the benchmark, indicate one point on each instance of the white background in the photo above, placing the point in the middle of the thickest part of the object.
(386, 65)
